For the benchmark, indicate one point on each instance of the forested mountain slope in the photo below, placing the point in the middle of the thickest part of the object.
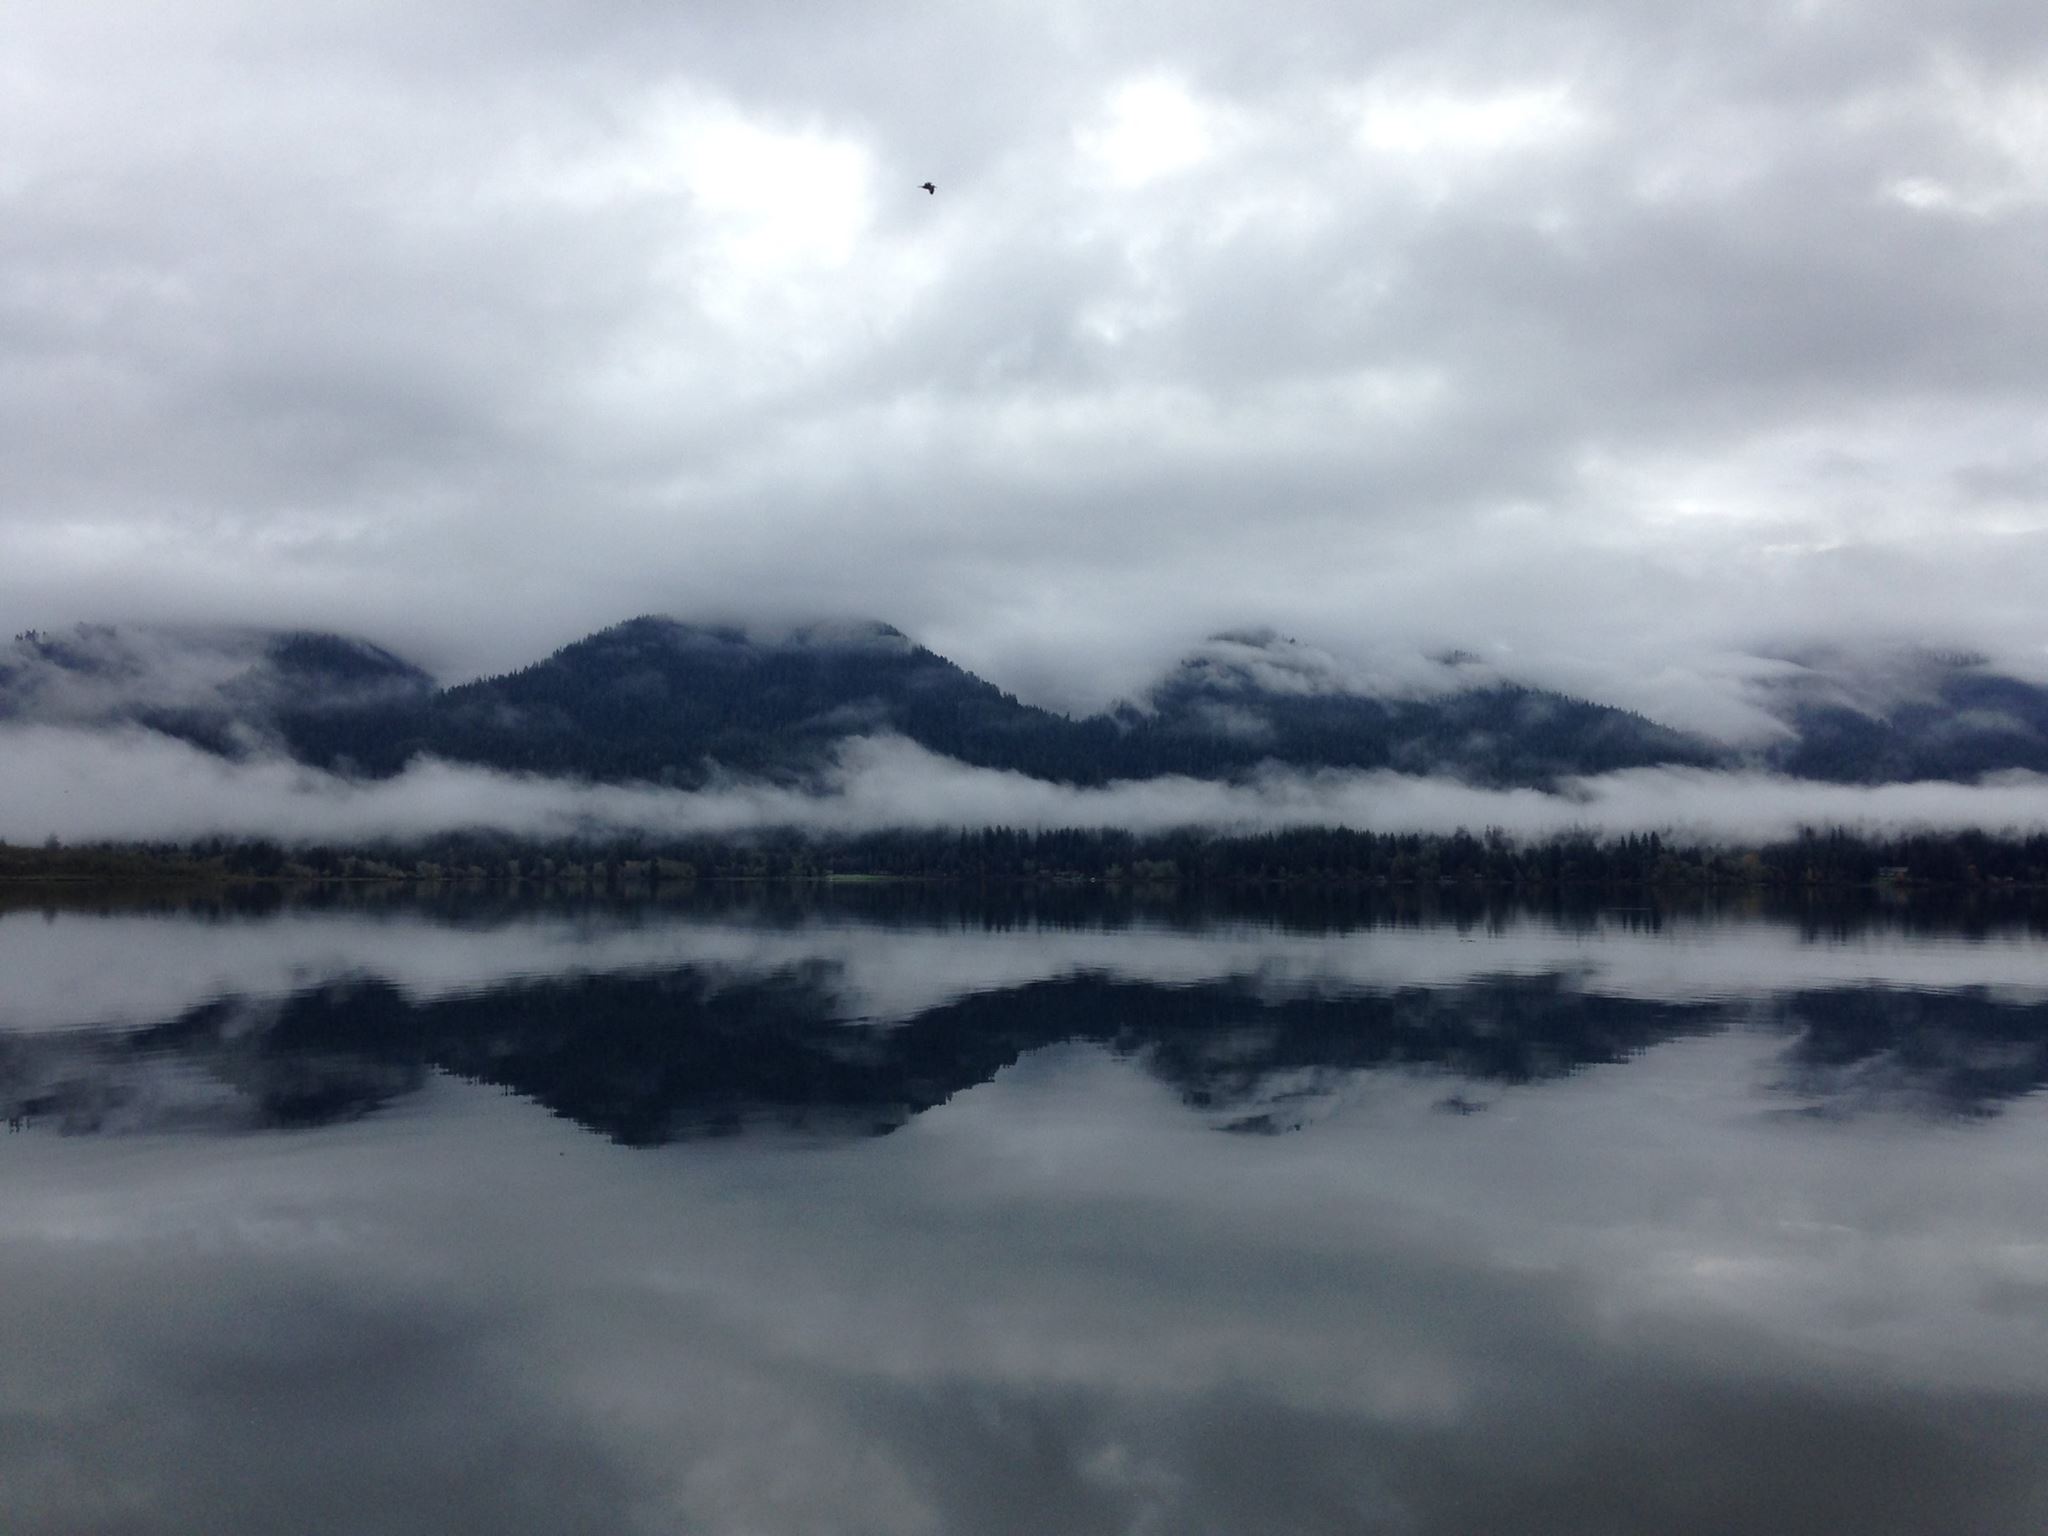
(316, 696)
(662, 701)
(1901, 714)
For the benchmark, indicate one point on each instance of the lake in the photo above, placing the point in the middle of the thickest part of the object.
(892, 1210)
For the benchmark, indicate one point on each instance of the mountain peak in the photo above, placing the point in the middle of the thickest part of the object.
(812, 635)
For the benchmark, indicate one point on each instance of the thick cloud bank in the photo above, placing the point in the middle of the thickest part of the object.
(80, 785)
(1601, 341)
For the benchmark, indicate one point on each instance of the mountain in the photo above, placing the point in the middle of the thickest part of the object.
(1871, 715)
(656, 699)
(230, 691)
(1900, 713)
(659, 700)
(1251, 696)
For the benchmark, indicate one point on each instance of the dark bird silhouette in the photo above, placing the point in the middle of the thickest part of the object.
(928, 187)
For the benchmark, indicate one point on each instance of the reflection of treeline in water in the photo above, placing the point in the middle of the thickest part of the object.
(1315, 856)
(1818, 912)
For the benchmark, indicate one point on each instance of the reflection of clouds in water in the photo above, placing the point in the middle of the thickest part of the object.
(1056, 1295)
(179, 1302)
(72, 970)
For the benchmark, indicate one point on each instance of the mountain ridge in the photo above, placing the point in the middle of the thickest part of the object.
(662, 700)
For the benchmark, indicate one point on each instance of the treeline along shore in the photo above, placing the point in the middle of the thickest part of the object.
(1305, 857)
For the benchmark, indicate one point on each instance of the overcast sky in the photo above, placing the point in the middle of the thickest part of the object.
(1599, 338)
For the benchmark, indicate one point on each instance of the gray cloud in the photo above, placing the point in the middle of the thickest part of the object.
(1608, 340)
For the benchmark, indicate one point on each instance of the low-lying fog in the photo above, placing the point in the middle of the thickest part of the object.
(79, 785)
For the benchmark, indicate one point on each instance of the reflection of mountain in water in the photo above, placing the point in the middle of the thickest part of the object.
(651, 1058)
(1954, 1053)
(224, 1066)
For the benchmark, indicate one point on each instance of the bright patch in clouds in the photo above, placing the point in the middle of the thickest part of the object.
(2000, 128)
(777, 198)
(1152, 128)
(1432, 123)
(775, 192)
(754, 215)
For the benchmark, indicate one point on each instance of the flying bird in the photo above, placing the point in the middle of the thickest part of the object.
(927, 186)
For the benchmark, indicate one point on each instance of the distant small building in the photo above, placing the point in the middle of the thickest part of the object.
(1892, 874)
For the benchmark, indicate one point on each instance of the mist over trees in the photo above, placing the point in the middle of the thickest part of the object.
(662, 702)
(670, 703)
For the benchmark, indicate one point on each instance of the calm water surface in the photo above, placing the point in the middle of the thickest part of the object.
(893, 1213)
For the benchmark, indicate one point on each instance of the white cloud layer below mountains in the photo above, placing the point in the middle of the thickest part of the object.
(80, 785)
